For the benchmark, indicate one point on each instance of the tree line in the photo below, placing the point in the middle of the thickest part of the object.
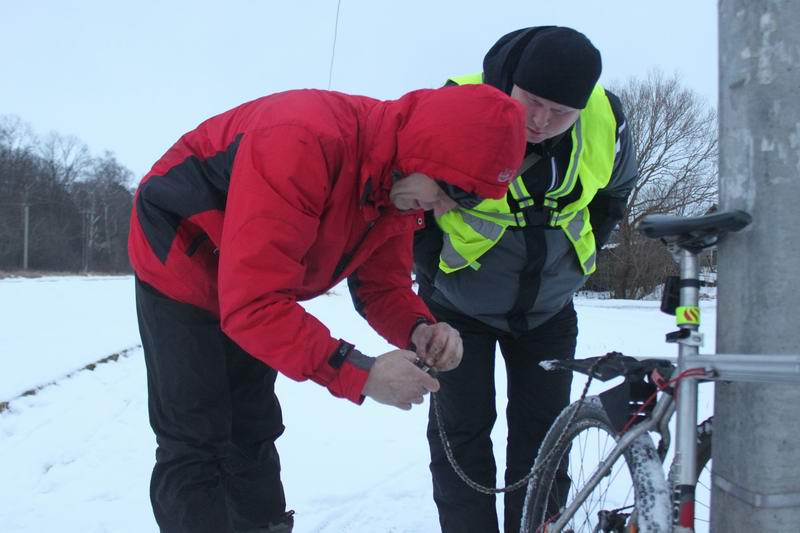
(76, 207)
(61, 209)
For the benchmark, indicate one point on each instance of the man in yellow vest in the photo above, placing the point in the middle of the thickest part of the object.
(505, 271)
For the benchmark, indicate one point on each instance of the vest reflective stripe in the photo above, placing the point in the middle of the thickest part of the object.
(485, 228)
(572, 170)
(449, 259)
(520, 193)
(574, 227)
(466, 235)
(590, 263)
(506, 219)
(591, 162)
(577, 230)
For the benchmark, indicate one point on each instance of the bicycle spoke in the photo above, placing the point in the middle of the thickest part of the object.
(582, 465)
(702, 516)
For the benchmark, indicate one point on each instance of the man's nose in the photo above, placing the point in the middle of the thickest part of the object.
(539, 118)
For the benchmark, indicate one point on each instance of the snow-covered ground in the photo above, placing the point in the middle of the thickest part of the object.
(76, 456)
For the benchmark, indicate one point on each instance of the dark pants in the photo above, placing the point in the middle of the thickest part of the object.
(216, 417)
(467, 403)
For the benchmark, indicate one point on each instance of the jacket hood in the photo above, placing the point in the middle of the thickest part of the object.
(470, 136)
(501, 60)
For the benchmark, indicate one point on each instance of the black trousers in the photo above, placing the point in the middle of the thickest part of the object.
(467, 404)
(216, 418)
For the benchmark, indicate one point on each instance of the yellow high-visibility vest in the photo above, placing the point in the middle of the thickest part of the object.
(470, 233)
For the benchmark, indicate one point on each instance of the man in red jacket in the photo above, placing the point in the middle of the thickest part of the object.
(274, 202)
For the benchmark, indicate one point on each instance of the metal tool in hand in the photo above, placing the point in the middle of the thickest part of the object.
(422, 365)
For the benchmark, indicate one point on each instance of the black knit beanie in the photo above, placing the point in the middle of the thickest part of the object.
(559, 64)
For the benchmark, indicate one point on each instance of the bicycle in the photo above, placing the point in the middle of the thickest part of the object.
(623, 417)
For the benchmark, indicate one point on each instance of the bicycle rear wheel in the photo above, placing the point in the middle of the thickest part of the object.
(634, 496)
(702, 508)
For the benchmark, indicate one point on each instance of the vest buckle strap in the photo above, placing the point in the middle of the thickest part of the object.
(538, 216)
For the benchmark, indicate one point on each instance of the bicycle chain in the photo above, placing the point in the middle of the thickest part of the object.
(523, 481)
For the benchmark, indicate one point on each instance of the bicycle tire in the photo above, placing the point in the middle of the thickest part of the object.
(644, 467)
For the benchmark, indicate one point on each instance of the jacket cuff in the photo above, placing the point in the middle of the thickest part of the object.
(352, 376)
(328, 369)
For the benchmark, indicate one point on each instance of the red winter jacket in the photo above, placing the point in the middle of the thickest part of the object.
(279, 199)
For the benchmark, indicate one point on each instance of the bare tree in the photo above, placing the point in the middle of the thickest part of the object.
(674, 132)
(15, 135)
(65, 157)
(105, 203)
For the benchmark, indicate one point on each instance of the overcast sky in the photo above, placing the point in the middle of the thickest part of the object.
(131, 77)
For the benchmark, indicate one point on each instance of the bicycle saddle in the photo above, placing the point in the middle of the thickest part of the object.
(611, 365)
(693, 233)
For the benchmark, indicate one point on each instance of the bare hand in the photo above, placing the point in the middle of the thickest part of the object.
(395, 380)
(439, 345)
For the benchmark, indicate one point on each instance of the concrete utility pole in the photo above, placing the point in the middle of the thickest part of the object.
(756, 468)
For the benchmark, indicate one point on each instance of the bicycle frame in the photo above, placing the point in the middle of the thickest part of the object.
(776, 368)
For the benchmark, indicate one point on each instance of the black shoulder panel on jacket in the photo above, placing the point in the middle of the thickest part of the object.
(190, 187)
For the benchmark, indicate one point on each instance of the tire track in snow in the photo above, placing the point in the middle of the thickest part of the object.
(125, 352)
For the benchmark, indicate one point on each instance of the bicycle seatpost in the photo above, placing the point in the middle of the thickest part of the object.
(689, 340)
